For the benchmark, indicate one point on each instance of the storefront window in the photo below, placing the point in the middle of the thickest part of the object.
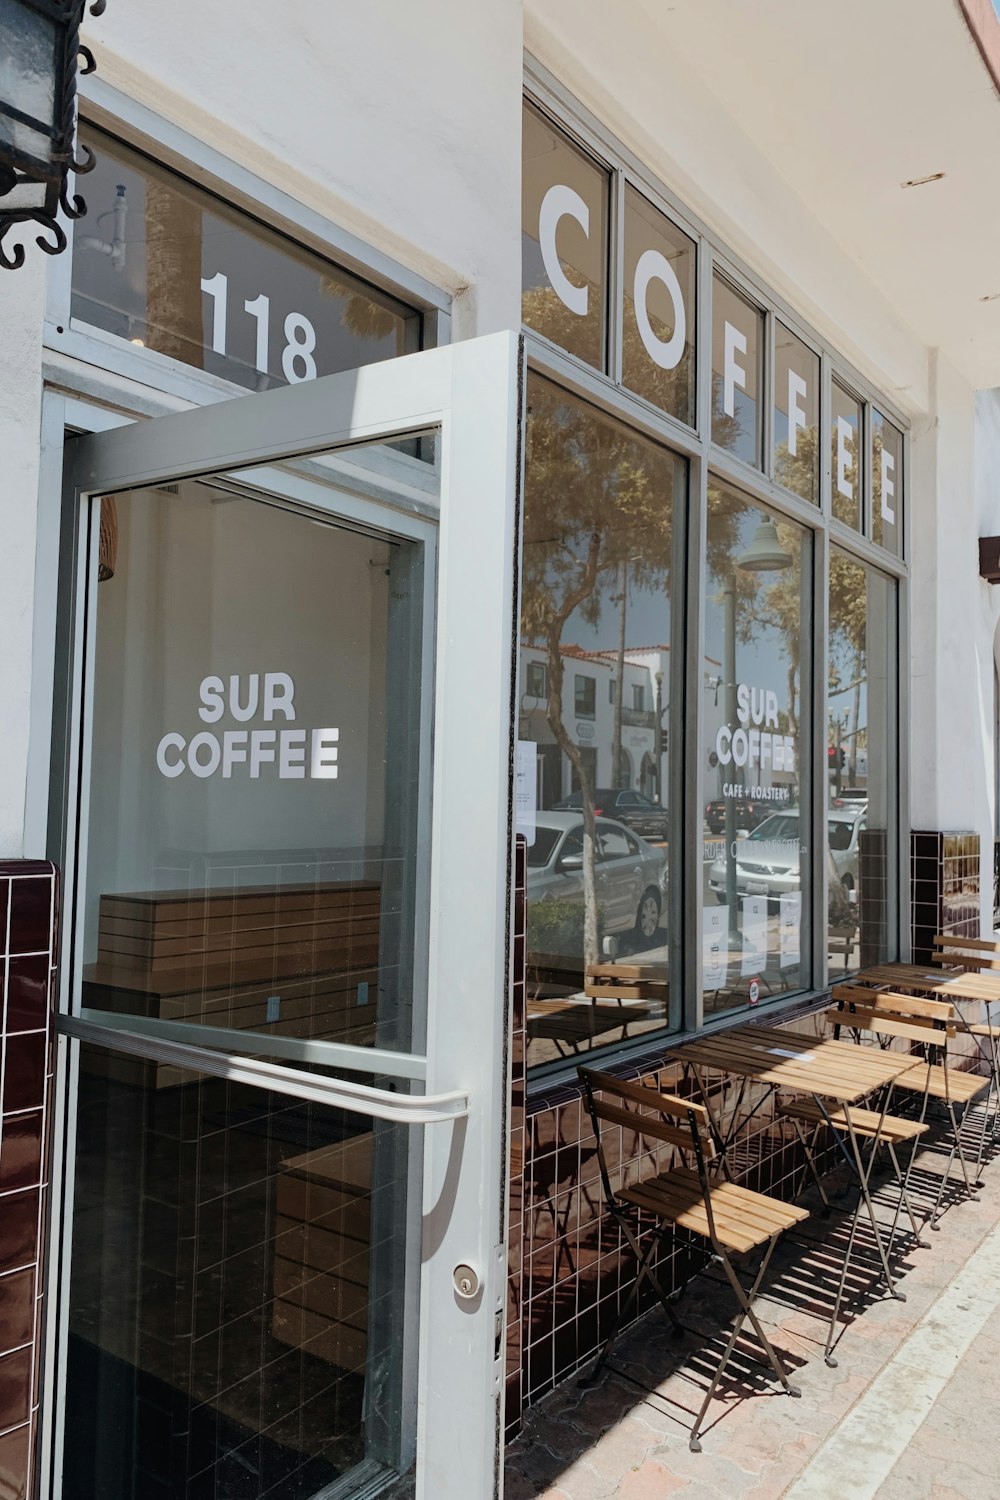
(757, 856)
(737, 329)
(845, 456)
(887, 484)
(658, 348)
(564, 241)
(596, 609)
(595, 674)
(862, 754)
(796, 415)
(167, 266)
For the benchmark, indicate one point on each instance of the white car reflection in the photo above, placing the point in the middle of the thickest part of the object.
(767, 860)
(631, 878)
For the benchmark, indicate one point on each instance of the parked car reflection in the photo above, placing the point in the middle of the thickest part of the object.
(631, 878)
(767, 860)
(634, 809)
(748, 814)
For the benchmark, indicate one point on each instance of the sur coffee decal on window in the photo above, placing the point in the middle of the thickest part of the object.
(297, 754)
(757, 741)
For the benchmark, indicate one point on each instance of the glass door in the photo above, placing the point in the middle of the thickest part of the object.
(283, 1225)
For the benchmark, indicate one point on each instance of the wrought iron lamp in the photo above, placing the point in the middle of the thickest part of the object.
(40, 57)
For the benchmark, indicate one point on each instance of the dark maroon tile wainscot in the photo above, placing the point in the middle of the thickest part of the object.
(28, 904)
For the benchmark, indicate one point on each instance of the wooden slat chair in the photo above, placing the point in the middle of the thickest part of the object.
(928, 1024)
(977, 956)
(731, 1219)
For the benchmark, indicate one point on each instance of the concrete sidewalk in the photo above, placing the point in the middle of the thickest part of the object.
(912, 1412)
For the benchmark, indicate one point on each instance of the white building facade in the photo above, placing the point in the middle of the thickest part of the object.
(421, 383)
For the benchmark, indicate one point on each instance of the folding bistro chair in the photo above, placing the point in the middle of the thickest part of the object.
(982, 957)
(929, 1024)
(976, 955)
(731, 1219)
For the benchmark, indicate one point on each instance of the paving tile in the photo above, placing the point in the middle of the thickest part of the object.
(649, 1481)
(616, 1439)
(581, 1481)
(623, 1448)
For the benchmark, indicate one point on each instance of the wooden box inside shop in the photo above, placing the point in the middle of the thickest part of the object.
(295, 961)
(322, 1243)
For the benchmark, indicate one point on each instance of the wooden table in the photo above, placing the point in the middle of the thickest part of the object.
(946, 984)
(833, 1072)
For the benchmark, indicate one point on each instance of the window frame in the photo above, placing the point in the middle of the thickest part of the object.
(141, 129)
(582, 681)
(606, 392)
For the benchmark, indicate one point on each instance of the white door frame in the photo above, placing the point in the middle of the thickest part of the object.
(471, 394)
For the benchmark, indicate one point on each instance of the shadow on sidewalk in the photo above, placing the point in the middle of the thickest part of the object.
(584, 1442)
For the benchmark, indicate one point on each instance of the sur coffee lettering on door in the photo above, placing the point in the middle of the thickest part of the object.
(261, 698)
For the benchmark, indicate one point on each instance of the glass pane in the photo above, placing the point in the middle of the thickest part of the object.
(163, 264)
(845, 439)
(862, 830)
(233, 1293)
(658, 348)
(796, 415)
(28, 80)
(252, 819)
(887, 484)
(757, 862)
(737, 344)
(596, 592)
(564, 241)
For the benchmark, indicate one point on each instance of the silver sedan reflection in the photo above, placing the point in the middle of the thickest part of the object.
(631, 880)
(767, 861)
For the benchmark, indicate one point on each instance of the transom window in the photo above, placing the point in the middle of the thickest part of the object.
(168, 266)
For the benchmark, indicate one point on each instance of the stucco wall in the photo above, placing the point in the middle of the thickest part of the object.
(399, 121)
(22, 296)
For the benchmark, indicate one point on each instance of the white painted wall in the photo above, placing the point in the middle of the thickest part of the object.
(955, 468)
(22, 301)
(399, 121)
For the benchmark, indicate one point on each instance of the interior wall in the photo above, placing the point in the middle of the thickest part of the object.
(210, 584)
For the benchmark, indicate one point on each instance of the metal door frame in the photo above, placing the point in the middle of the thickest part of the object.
(470, 393)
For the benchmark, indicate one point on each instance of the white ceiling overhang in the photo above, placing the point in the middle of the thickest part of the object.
(838, 105)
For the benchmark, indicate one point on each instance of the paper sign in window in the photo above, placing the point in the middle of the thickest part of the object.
(789, 927)
(754, 959)
(714, 933)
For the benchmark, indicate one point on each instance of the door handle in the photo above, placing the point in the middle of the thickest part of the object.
(359, 1098)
